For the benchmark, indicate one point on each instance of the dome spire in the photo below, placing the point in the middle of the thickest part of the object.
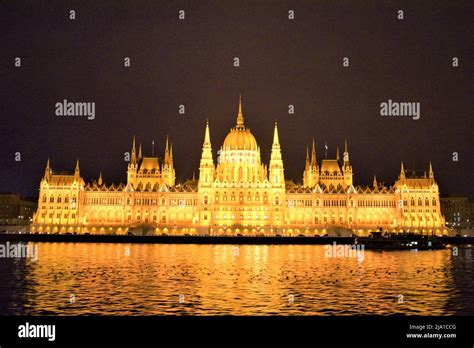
(240, 115)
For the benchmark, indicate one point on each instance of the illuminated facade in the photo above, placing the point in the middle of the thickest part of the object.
(237, 195)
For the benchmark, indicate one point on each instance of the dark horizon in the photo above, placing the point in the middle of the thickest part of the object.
(282, 62)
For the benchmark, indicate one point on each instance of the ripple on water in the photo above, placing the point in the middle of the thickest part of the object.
(211, 280)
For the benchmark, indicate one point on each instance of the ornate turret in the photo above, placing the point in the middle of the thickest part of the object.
(346, 154)
(313, 156)
(171, 156)
(306, 167)
(167, 171)
(402, 172)
(206, 166)
(140, 155)
(77, 172)
(276, 162)
(47, 171)
(133, 158)
(346, 166)
(311, 172)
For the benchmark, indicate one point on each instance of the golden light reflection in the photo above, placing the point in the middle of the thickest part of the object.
(134, 279)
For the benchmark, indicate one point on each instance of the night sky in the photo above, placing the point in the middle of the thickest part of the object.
(282, 62)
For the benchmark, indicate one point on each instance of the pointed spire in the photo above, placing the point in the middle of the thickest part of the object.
(166, 157)
(140, 156)
(276, 140)
(346, 153)
(306, 167)
(240, 115)
(313, 155)
(134, 151)
(431, 173)
(47, 170)
(207, 135)
(402, 172)
(375, 182)
(100, 181)
(337, 153)
(77, 173)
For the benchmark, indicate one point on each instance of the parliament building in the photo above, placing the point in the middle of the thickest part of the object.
(237, 195)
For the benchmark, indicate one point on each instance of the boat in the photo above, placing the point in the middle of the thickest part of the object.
(379, 241)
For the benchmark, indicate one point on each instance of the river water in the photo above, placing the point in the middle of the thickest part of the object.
(153, 279)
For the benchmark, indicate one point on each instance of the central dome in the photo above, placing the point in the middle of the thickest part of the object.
(240, 137)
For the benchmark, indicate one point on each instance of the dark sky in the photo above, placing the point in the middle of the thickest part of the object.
(282, 62)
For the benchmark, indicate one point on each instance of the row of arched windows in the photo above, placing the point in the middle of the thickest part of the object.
(58, 199)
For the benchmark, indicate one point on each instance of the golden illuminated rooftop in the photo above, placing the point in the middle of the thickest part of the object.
(240, 137)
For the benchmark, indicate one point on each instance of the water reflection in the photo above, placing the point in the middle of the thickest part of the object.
(121, 279)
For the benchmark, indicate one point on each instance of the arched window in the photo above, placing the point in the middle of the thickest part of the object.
(59, 199)
(412, 201)
(51, 199)
(433, 202)
(206, 200)
(419, 201)
(44, 198)
(427, 201)
(277, 200)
